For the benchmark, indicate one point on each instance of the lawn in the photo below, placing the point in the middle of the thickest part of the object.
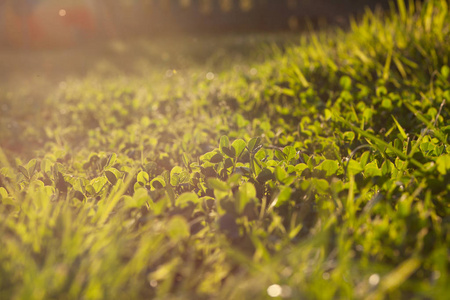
(314, 166)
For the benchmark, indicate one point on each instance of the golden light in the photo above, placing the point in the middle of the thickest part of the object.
(62, 12)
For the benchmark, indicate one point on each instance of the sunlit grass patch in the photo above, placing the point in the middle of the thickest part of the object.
(320, 172)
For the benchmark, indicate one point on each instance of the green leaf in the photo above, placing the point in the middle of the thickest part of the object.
(328, 114)
(208, 155)
(90, 189)
(283, 197)
(321, 185)
(260, 155)
(231, 152)
(349, 136)
(445, 71)
(290, 152)
(31, 167)
(443, 164)
(387, 167)
(224, 143)
(387, 104)
(3, 193)
(371, 169)
(216, 158)
(330, 166)
(185, 198)
(299, 168)
(253, 144)
(245, 194)
(140, 197)
(78, 195)
(175, 175)
(234, 179)
(280, 154)
(353, 167)
(24, 172)
(111, 177)
(8, 201)
(157, 183)
(185, 160)
(364, 159)
(239, 147)
(216, 184)
(280, 174)
(177, 228)
(345, 82)
(265, 175)
(98, 183)
(228, 163)
(46, 166)
(111, 160)
(143, 177)
(170, 193)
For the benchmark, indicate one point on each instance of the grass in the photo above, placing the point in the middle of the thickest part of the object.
(318, 170)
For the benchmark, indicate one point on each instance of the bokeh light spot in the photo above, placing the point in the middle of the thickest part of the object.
(169, 73)
(374, 279)
(274, 290)
(286, 291)
(436, 275)
(62, 12)
(293, 23)
(287, 272)
(153, 283)
(210, 76)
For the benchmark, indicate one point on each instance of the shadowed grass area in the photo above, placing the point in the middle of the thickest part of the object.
(316, 170)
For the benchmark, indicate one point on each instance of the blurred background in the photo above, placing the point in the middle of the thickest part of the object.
(49, 47)
(48, 23)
